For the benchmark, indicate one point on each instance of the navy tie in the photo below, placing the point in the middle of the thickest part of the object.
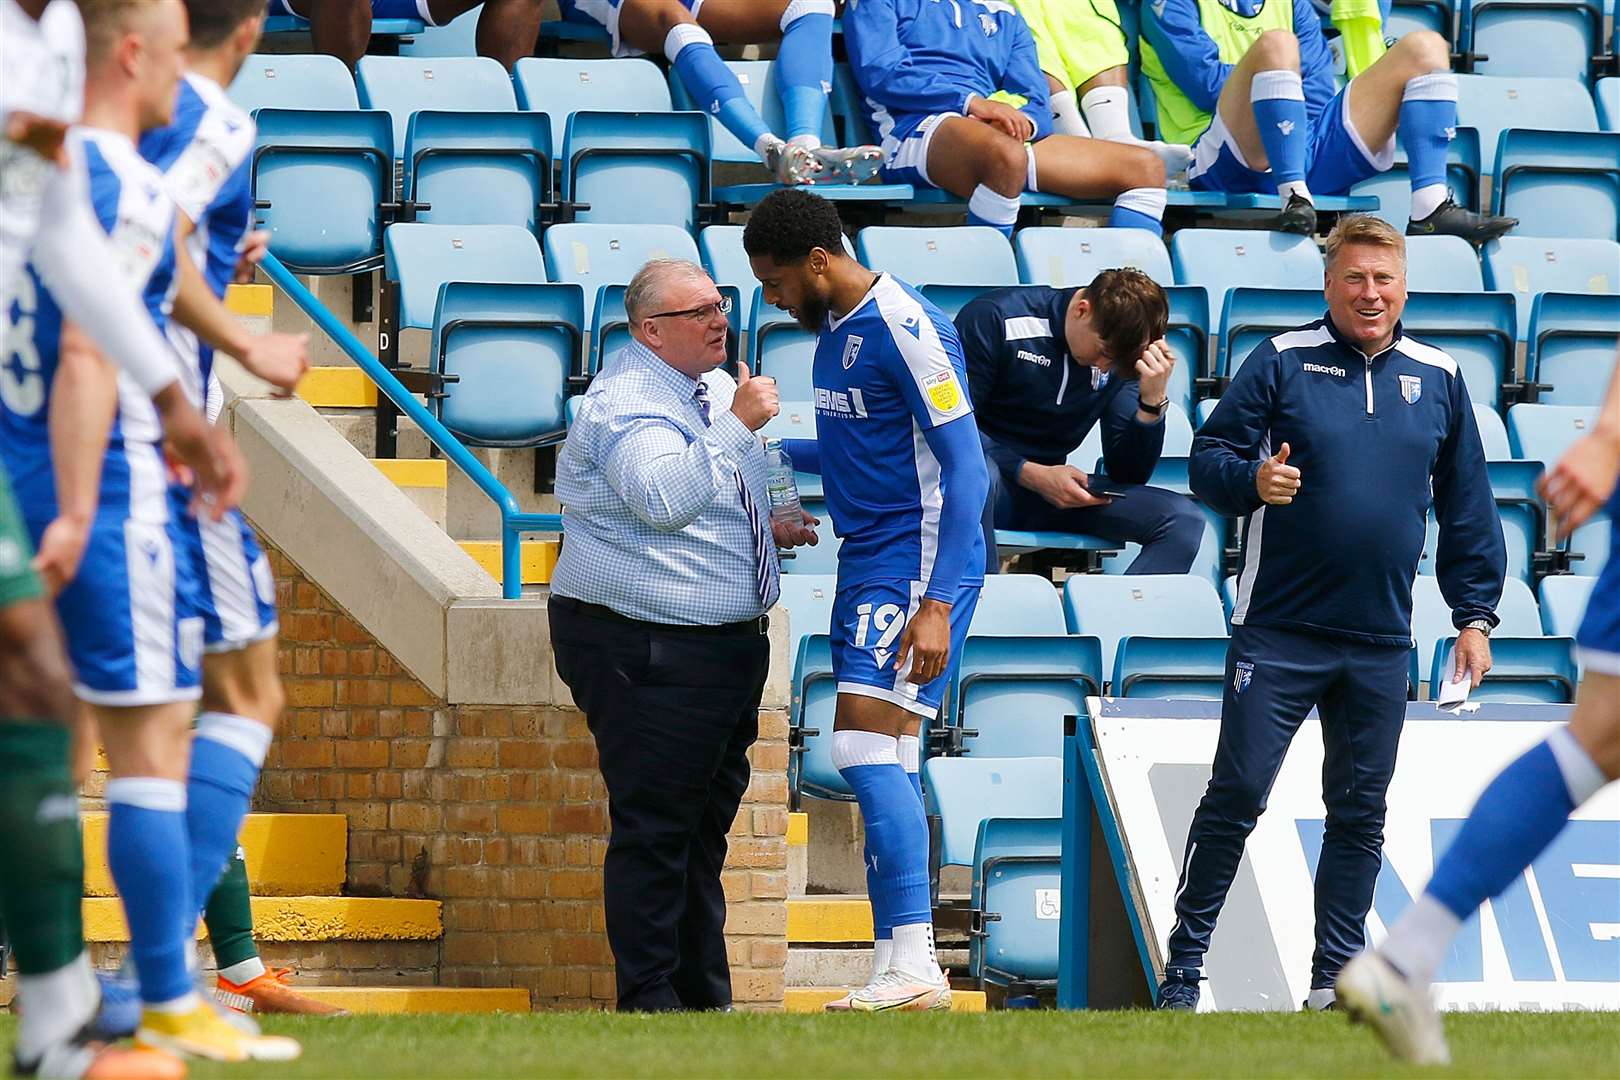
(765, 568)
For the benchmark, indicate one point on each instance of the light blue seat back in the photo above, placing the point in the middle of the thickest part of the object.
(1518, 610)
(1592, 541)
(458, 37)
(1442, 264)
(759, 86)
(1221, 259)
(1527, 265)
(1543, 432)
(1018, 604)
(1475, 329)
(966, 791)
(808, 599)
(1607, 95)
(1014, 691)
(1492, 104)
(293, 81)
(1572, 346)
(559, 87)
(1559, 183)
(1563, 603)
(321, 177)
(1251, 316)
(636, 168)
(1431, 620)
(423, 257)
(958, 255)
(1064, 258)
(1527, 37)
(596, 255)
(404, 84)
(1492, 433)
(1017, 882)
(1170, 667)
(723, 256)
(1150, 605)
(794, 420)
(512, 349)
(486, 168)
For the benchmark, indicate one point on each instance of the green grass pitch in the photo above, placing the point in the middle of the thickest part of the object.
(1585, 1046)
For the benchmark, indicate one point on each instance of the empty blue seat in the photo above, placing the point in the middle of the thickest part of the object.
(1533, 37)
(794, 420)
(322, 179)
(1607, 96)
(1016, 905)
(1563, 603)
(1013, 691)
(636, 168)
(808, 599)
(1572, 346)
(560, 87)
(293, 81)
(478, 168)
(1523, 669)
(758, 81)
(1406, 16)
(610, 325)
(1064, 258)
(960, 255)
(422, 258)
(1492, 104)
(507, 353)
(1442, 264)
(967, 791)
(1476, 329)
(1527, 265)
(404, 84)
(723, 256)
(1150, 605)
(1221, 259)
(1170, 667)
(1492, 433)
(595, 255)
(1253, 315)
(1559, 183)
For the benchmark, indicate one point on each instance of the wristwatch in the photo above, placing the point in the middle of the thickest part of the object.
(1482, 625)
(1156, 410)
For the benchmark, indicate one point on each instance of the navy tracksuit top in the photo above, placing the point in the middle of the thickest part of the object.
(1376, 440)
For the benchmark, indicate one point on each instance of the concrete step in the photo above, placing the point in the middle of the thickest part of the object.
(425, 481)
(287, 854)
(377, 1000)
(337, 388)
(849, 965)
(829, 919)
(798, 841)
(809, 999)
(301, 918)
(539, 558)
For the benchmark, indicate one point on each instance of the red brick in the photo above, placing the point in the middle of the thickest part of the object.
(362, 754)
(471, 753)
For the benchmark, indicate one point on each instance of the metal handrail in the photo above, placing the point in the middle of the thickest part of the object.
(514, 520)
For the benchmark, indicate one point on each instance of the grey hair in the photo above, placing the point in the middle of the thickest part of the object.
(644, 294)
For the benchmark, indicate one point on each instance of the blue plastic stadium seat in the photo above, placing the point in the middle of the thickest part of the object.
(1527, 265)
(1221, 259)
(965, 791)
(1563, 603)
(508, 352)
(458, 37)
(808, 599)
(781, 348)
(1431, 617)
(478, 168)
(1559, 183)
(1170, 667)
(1542, 433)
(721, 249)
(1523, 669)
(294, 81)
(959, 255)
(1442, 264)
(1017, 882)
(1492, 104)
(1064, 258)
(1406, 16)
(1253, 315)
(758, 81)
(322, 179)
(422, 258)
(610, 325)
(1151, 605)
(596, 255)
(559, 88)
(404, 84)
(794, 420)
(1492, 433)
(1607, 95)
(636, 168)
(1572, 346)
(1533, 37)
(1013, 692)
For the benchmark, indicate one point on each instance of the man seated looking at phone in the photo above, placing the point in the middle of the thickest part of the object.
(1045, 365)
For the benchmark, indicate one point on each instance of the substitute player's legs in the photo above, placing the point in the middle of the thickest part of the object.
(340, 28)
(507, 29)
(1097, 168)
(1262, 109)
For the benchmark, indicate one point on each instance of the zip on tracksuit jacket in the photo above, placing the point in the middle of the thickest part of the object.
(1376, 439)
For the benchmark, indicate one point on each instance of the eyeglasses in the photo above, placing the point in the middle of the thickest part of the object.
(698, 314)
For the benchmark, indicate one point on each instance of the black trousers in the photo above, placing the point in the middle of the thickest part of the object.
(673, 714)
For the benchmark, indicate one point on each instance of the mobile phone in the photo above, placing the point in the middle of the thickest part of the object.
(1105, 493)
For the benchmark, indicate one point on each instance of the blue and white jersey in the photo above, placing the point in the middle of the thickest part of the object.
(130, 203)
(205, 156)
(886, 373)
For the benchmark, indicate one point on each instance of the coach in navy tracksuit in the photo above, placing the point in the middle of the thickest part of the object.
(1042, 370)
(1332, 441)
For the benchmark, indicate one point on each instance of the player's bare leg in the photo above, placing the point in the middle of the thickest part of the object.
(507, 29)
(340, 28)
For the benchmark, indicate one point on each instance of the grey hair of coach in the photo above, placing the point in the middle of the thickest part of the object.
(644, 295)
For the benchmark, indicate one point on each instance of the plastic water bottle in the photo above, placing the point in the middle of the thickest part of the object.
(784, 490)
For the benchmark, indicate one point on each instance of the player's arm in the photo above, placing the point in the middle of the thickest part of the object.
(1131, 448)
(1584, 478)
(279, 359)
(1226, 456)
(84, 400)
(806, 454)
(1025, 78)
(1470, 562)
(884, 69)
(1189, 54)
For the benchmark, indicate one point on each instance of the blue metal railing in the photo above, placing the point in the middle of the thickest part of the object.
(514, 521)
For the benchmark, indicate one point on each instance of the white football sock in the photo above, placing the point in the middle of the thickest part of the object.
(54, 1006)
(1066, 118)
(1419, 940)
(1427, 199)
(882, 956)
(914, 952)
(246, 971)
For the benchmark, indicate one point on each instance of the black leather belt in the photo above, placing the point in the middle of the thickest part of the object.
(760, 625)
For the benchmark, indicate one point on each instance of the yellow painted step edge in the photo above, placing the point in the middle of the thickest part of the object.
(817, 919)
(415, 472)
(250, 300)
(375, 1000)
(538, 561)
(337, 388)
(810, 999)
(287, 854)
(302, 918)
(798, 830)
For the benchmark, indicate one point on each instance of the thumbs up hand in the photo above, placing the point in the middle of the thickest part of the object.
(1277, 481)
(757, 399)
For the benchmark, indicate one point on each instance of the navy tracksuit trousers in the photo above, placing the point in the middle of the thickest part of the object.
(1273, 679)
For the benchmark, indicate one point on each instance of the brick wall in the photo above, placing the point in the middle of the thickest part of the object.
(497, 811)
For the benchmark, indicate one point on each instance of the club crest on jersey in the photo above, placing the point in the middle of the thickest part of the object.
(987, 24)
(1242, 676)
(852, 350)
(943, 390)
(1411, 388)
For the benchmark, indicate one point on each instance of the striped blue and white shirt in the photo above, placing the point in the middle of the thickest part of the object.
(653, 522)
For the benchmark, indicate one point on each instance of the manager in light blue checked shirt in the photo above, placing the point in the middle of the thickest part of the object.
(658, 622)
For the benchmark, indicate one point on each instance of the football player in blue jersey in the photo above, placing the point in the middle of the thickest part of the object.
(684, 31)
(85, 446)
(1521, 811)
(905, 480)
